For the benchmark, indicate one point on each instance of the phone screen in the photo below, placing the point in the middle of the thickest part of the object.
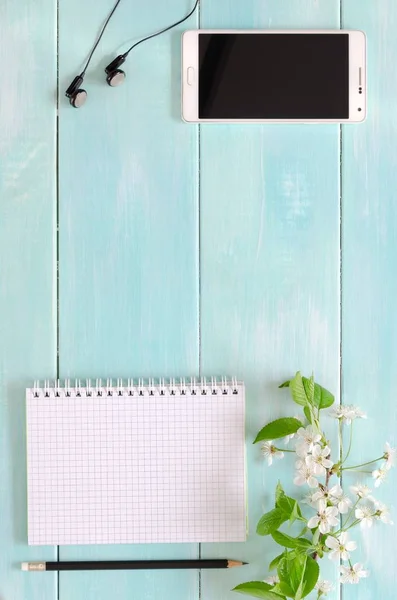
(273, 76)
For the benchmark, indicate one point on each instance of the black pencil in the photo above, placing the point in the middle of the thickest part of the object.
(119, 565)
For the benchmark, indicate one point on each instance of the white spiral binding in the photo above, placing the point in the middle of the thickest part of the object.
(137, 388)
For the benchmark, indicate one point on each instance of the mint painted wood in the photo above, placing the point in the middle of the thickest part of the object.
(129, 252)
(269, 268)
(128, 181)
(27, 265)
(369, 352)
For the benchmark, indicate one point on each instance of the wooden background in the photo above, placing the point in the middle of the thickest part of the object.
(246, 250)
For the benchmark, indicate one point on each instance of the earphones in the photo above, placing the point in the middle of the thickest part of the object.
(114, 75)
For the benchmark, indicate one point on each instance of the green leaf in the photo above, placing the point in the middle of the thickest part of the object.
(258, 589)
(271, 521)
(275, 561)
(308, 414)
(284, 588)
(283, 539)
(283, 569)
(298, 390)
(308, 384)
(311, 576)
(287, 504)
(299, 591)
(284, 385)
(290, 542)
(292, 571)
(279, 492)
(316, 537)
(295, 514)
(278, 429)
(322, 397)
(297, 570)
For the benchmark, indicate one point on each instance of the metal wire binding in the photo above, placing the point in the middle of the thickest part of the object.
(138, 388)
(182, 385)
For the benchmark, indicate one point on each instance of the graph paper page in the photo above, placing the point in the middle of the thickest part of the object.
(132, 469)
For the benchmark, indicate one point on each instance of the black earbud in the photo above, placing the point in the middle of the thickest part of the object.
(77, 96)
(115, 76)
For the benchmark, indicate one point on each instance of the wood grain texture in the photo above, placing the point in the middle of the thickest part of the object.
(269, 268)
(128, 257)
(128, 240)
(27, 265)
(369, 353)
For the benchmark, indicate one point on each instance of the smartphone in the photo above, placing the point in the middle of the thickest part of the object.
(274, 76)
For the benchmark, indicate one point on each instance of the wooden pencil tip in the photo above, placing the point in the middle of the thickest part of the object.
(235, 563)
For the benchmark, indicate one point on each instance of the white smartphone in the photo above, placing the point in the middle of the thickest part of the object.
(274, 76)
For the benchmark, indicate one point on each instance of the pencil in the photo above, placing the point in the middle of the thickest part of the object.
(119, 565)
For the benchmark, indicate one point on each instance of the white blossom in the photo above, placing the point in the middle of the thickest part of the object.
(319, 460)
(337, 412)
(304, 475)
(365, 514)
(324, 587)
(344, 504)
(379, 475)
(347, 413)
(353, 574)
(339, 499)
(383, 513)
(390, 456)
(325, 519)
(308, 437)
(321, 494)
(354, 412)
(269, 451)
(340, 548)
(335, 495)
(311, 499)
(360, 490)
(272, 580)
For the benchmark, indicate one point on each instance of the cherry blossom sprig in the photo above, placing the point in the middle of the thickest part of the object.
(328, 512)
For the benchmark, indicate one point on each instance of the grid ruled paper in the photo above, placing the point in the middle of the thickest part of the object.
(121, 469)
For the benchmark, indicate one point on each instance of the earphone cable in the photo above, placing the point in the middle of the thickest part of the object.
(149, 37)
(100, 37)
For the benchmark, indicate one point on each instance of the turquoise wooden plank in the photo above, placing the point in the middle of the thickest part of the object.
(27, 267)
(269, 267)
(128, 239)
(369, 351)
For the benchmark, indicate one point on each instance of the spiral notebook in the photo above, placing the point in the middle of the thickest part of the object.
(136, 463)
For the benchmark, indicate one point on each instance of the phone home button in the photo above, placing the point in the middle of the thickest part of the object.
(190, 76)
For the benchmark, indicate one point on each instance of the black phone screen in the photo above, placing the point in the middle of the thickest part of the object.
(273, 76)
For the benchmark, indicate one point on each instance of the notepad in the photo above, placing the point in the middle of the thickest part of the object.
(136, 463)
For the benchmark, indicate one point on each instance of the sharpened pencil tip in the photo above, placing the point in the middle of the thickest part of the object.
(235, 563)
